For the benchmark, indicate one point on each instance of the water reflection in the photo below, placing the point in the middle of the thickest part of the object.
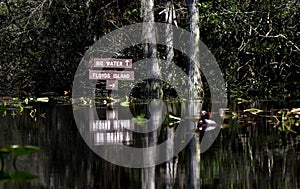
(249, 157)
(112, 131)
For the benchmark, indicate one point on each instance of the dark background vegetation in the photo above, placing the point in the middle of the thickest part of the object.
(256, 43)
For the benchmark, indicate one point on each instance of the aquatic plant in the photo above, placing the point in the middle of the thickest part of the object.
(287, 119)
(16, 151)
(139, 119)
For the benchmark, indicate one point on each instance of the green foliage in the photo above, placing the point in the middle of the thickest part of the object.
(255, 43)
(287, 119)
(42, 42)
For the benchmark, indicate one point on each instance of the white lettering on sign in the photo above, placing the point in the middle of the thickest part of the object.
(99, 63)
(112, 63)
(101, 76)
(121, 76)
(111, 75)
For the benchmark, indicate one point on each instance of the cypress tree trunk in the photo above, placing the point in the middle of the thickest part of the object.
(153, 71)
(195, 91)
(170, 16)
(153, 87)
(171, 166)
(193, 64)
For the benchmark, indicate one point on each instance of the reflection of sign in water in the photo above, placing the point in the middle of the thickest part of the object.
(112, 114)
(112, 131)
(111, 125)
(114, 138)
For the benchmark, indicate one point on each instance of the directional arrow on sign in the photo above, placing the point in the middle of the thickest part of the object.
(127, 62)
(112, 85)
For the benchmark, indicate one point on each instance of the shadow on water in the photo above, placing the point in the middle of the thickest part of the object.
(256, 156)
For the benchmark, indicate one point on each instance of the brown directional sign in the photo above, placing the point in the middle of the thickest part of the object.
(111, 75)
(112, 63)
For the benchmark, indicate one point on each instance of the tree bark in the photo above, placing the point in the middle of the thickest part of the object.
(153, 71)
(195, 91)
(169, 11)
(153, 87)
(171, 166)
(193, 64)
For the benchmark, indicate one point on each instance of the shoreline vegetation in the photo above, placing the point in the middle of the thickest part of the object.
(256, 44)
(285, 116)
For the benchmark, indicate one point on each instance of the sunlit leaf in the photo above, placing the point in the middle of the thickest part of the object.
(295, 110)
(42, 99)
(253, 111)
(125, 104)
(140, 119)
(240, 100)
(26, 101)
(32, 113)
(172, 117)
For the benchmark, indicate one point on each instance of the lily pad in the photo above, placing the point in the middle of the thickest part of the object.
(253, 111)
(42, 99)
(20, 176)
(17, 176)
(17, 150)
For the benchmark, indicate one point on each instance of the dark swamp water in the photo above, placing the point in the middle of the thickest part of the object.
(249, 153)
